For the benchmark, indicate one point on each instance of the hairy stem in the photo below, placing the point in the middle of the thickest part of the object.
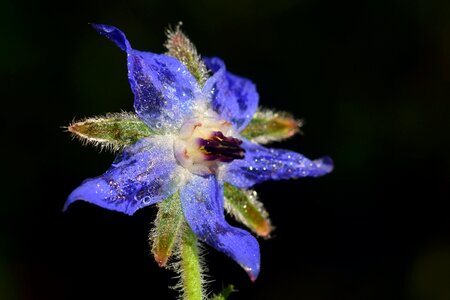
(191, 269)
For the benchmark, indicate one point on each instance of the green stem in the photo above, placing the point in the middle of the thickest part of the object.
(225, 293)
(191, 274)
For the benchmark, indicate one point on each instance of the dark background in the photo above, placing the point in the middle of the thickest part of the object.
(371, 79)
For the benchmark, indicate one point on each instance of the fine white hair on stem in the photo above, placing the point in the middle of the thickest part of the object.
(177, 266)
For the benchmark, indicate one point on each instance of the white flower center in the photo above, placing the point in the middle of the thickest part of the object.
(204, 143)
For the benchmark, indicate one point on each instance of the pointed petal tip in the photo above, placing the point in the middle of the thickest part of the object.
(325, 163)
(75, 196)
(103, 28)
(112, 33)
(253, 270)
(66, 205)
(253, 274)
(69, 201)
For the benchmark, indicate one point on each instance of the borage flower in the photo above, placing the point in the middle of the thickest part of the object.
(187, 146)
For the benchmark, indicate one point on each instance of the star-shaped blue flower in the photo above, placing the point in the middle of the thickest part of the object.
(196, 149)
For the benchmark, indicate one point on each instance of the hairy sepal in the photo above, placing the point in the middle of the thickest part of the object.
(112, 132)
(166, 233)
(179, 46)
(244, 206)
(268, 126)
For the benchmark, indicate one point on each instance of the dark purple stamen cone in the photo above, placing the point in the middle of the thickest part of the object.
(221, 148)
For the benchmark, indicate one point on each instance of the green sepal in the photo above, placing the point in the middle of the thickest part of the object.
(268, 126)
(168, 227)
(244, 206)
(179, 46)
(190, 264)
(112, 132)
(225, 293)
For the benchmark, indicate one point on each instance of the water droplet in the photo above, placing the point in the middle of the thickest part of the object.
(146, 200)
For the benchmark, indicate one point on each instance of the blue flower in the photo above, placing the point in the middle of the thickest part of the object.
(196, 149)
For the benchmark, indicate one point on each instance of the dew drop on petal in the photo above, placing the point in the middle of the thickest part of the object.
(146, 200)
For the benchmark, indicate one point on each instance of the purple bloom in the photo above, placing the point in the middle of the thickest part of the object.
(197, 147)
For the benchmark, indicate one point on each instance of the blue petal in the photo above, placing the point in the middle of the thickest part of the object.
(202, 201)
(164, 90)
(234, 98)
(261, 164)
(143, 174)
(114, 34)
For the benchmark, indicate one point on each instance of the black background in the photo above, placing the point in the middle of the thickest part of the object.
(371, 79)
